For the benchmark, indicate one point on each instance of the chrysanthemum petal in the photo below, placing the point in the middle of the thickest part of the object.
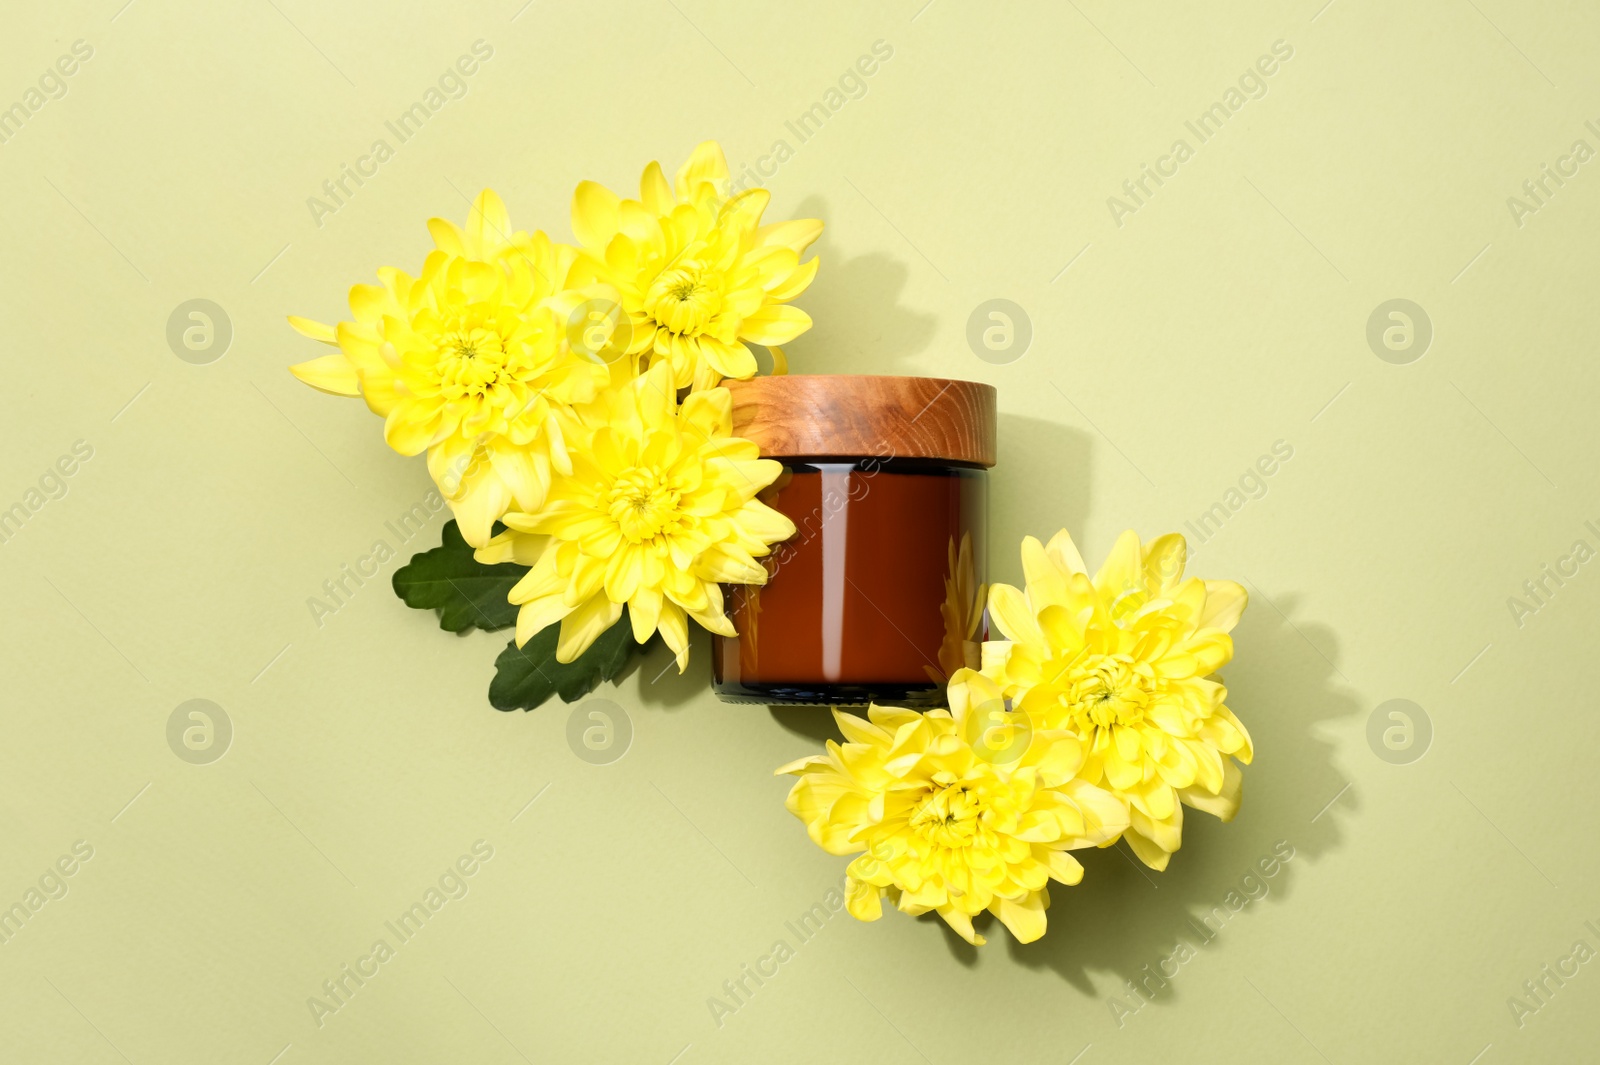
(1024, 917)
(315, 330)
(776, 323)
(509, 547)
(798, 280)
(488, 225)
(1225, 804)
(705, 164)
(584, 625)
(481, 502)
(1065, 553)
(797, 235)
(1147, 852)
(674, 628)
(447, 237)
(595, 210)
(536, 615)
(864, 901)
(1121, 571)
(1225, 602)
(1164, 559)
(334, 374)
(654, 191)
(1009, 610)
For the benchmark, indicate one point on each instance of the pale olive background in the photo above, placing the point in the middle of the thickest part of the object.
(1168, 354)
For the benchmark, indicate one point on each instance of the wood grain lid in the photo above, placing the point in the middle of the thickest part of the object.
(854, 416)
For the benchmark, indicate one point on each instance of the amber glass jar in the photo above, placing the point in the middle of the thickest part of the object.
(879, 595)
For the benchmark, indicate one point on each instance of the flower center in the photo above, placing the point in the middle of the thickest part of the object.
(685, 298)
(471, 360)
(948, 817)
(1110, 690)
(642, 504)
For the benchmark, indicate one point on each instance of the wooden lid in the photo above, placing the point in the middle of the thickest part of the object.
(855, 416)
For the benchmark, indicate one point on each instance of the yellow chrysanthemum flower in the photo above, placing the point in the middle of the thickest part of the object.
(698, 273)
(659, 510)
(1124, 663)
(469, 361)
(949, 818)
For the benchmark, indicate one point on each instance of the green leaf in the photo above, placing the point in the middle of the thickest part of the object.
(526, 676)
(463, 590)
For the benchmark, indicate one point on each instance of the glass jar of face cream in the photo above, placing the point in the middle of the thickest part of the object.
(879, 595)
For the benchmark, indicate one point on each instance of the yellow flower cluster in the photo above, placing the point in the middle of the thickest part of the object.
(951, 817)
(1096, 718)
(542, 380)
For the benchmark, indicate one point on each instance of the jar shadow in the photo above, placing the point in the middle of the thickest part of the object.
(813, 722)
(1041, 484)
